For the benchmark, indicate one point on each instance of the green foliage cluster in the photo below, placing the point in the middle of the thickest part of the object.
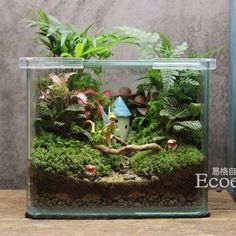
(59, 110)
(83, 80)
(165, 162)
(58, 155)
(174, 109)
(154, 45)
(64, 40)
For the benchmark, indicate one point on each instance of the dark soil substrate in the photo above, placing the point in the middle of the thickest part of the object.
(177, 190)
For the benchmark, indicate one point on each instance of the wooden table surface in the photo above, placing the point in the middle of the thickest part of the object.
(13, 222)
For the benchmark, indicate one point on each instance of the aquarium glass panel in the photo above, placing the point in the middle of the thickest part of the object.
(116, 139)
(232, 96)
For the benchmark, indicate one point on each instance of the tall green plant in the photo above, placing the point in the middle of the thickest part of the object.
(64, 40)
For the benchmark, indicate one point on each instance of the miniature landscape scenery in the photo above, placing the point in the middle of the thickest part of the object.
(134, 147)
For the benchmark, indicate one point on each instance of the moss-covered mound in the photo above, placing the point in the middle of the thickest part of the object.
(166, 162)
(58, 155)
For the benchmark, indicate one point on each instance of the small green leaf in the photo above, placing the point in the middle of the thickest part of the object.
(195, 109)
(93, 50)
(66, 54)
(190, 124)
(84, 33)
(63, 39)
(58, 123)
(75, 108)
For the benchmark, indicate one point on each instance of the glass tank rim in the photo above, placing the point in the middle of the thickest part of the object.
(79, 63)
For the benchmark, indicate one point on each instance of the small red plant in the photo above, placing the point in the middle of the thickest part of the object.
(107, 93)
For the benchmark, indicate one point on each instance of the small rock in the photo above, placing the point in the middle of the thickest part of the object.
(60, 203)
(171, 203)
(130, 177)
(146, 175)
(80, 175)
(154, 178)
(137, 204)
(194, 204)
(123, 170)
(181, 199)
(68, 202)
(98, 179)
(130, 203)
(138, 179)
(178, 204)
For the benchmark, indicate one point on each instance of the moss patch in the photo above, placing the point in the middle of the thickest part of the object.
(166, 162)
(58, 155)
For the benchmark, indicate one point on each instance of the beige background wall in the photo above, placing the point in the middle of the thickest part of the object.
(202, 23)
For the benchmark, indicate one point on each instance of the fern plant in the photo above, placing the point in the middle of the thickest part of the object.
(173, 108)
(167, 118)
(154, 45)
(177, 115)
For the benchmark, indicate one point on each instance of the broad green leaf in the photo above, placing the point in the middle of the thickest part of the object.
(79, 50)
(190, 81)
(190, 124)
(173, 110)
(168, 78)
(178, 128)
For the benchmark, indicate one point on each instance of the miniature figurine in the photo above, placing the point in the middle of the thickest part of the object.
(172, 144)
(90, 170)
(109, 129)
(123, 115)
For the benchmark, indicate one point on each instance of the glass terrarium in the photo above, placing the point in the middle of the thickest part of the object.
(115, 138)
(232, 96)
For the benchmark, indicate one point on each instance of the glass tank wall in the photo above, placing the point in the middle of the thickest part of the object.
(116, 139)
(232, 93)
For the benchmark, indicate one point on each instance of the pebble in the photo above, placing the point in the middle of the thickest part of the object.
(139, 179)
(171, 203)
(98, 179)
(181, 199)
(153, 178)
(163, 200)
(123, 170)
(130, 177)
(80, 175)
